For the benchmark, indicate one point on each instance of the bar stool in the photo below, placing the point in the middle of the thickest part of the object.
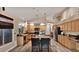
(45, 44)
(35, 45)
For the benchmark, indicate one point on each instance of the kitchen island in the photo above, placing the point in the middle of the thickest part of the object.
(23, 39)
(40, 43)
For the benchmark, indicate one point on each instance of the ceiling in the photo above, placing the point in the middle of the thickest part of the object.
(31, 13)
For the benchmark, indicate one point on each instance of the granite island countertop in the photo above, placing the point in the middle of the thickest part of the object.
(41, 36)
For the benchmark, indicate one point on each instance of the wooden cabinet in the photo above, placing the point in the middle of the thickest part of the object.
(73, 26)
(67, 42)
(42, 27)
(77, 25)
(66, 27)
(72, 44)
(61, 26)
(69, 26)
(20, 40)
(63, 39)
(28, 27)
(32, 27)
(59, 39)
(23, 39)
(77, 45)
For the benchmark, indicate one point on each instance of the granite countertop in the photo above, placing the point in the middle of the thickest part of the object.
(41, 36)
(74, 37)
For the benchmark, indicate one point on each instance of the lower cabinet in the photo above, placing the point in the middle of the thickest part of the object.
(77, 46)
(72, 44)
(68, 42)
(20, 40)
(23, 39)
(59, 39)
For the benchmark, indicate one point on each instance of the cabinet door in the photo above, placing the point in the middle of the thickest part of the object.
(69, 26)
(77, 25)
(65, 26)
(59, 38)
(77, 46)
(72, 44)
(42, 27)
(65, 41)
(62, 40)
(68, 43)
(73, 26)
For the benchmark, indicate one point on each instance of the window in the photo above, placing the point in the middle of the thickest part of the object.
(5, 36)
(1, 37)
